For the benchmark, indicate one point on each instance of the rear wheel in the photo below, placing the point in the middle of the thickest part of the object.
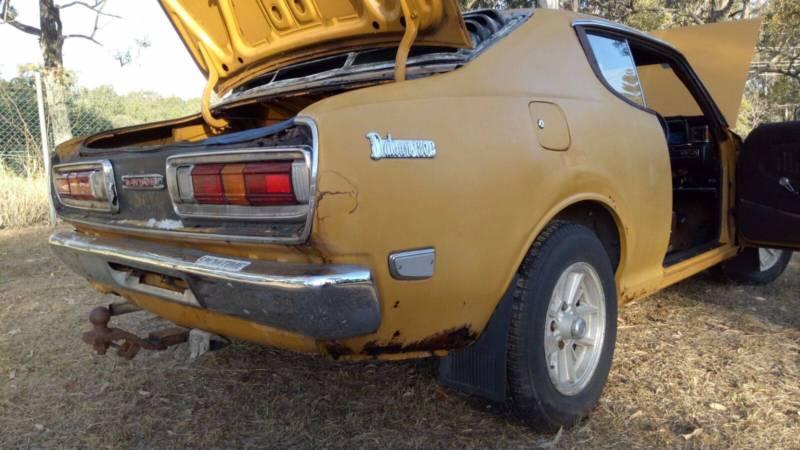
(756, 266)
(563, 327)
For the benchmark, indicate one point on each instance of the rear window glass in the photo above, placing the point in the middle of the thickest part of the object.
(616, 64)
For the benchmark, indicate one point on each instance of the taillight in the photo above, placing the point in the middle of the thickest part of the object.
(86, 186)
(260, 184)
(250, 184)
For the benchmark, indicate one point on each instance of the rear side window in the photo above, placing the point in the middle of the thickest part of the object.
(615, 61)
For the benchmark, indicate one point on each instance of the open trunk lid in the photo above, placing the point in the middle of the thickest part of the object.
(233, 41)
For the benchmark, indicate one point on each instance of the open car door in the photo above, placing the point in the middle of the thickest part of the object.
(768, 187)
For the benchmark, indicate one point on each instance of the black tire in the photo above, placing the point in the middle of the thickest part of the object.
(745, 268)
(534, 395)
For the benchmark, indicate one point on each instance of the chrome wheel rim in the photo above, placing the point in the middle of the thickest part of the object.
(575, 328)
(768, 257)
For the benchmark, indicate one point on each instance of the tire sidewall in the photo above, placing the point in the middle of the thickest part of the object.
(746, 268)
(580, 245)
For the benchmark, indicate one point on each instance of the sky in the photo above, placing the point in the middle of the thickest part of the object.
(165, 67)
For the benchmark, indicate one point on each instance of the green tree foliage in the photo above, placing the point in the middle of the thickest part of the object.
(779, 52)
(129, 109)
(773, 92)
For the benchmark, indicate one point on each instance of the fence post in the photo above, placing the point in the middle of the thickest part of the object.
(45, 147)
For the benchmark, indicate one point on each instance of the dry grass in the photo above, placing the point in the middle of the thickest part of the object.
(701, 365)
(23, 196)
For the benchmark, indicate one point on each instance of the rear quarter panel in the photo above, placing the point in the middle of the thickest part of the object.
(491, 188)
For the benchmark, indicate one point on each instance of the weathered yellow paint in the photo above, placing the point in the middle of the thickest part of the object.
(410, 35)
(699, 263)
(721, 54)
(205, 101)
(666, 93)
(483, 200)
(246, 38)
(221, 324)
(550, 125)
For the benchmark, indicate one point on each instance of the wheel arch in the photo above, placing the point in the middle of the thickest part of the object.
(480, 369)
(596, 212)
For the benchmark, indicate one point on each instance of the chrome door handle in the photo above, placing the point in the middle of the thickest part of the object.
(786, 184)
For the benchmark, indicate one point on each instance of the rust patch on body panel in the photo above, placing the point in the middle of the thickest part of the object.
(446, 340)
(337, 350)
(438, 343)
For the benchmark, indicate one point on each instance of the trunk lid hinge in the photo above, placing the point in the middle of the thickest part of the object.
(205, 102)
(412, 28)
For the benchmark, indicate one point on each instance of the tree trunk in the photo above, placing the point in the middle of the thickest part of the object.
(552, 4)
(51, 42)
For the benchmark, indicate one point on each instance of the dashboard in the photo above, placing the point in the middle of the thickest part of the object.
(687, 137)
(693, 154)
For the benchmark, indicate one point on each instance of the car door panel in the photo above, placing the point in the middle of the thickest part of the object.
(768, 202)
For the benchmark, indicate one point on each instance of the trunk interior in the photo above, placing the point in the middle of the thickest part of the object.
(192, 129)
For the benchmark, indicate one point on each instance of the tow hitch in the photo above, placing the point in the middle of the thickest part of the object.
(101, 337)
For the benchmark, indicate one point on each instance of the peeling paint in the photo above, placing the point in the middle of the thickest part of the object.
(166, 224)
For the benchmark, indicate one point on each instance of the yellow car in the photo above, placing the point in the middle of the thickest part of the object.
(399, 179)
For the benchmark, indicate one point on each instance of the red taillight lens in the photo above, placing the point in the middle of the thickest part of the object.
(207, 184)
(253, 184)
(269, 183)
(80, 185)
(77, 185)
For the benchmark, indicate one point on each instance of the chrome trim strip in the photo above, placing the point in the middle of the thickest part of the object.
(312, 201)
(111, 205)
(413, 264)
(613, 26)
(336, 275)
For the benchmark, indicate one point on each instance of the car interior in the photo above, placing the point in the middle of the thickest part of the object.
(694, 156)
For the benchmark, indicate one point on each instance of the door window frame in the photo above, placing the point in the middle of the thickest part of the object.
(680, 65)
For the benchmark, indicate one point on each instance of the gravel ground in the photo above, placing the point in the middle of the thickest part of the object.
(700, 365)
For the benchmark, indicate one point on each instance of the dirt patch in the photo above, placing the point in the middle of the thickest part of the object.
(701, 365)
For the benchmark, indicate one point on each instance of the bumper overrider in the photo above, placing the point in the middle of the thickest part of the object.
(321, 301)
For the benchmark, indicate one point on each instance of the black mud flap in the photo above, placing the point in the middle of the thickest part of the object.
(480, 369)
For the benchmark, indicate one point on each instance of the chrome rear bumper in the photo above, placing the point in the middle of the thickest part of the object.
(323, 301)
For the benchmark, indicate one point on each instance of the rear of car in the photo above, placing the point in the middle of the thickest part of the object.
(213, 229)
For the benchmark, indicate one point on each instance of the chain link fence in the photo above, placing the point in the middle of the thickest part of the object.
(20, 131)
(24, 126)
(89, 111)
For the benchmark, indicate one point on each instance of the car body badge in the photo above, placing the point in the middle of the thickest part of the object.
(400, 148)
(146, 182)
